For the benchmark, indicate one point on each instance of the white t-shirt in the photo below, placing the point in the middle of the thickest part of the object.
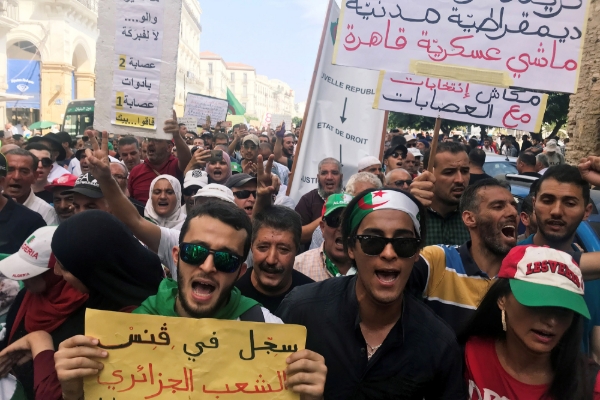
(56, 172)
(38, 205)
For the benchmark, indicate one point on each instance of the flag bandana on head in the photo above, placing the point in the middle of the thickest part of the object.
(385, 200)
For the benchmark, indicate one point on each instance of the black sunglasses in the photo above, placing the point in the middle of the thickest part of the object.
(401, 183)
(374, 245)
(46, 162)
(333, 221)
(195, 254)
(244, 194)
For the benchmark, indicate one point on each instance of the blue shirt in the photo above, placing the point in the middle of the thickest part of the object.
(592, 300)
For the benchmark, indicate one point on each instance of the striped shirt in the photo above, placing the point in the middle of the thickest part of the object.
(450, 282)
(312, 264)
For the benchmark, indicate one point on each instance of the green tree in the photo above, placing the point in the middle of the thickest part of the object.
(411, 121)
(297, 121)
(557, 110)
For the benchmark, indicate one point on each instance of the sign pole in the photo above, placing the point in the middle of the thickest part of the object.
(434, 143)
(310, 94)
(383, 135)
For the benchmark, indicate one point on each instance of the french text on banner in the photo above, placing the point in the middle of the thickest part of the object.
(154, 357)
(460, 101)
(534, 45)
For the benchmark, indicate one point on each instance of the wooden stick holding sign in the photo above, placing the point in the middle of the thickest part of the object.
(434, 143)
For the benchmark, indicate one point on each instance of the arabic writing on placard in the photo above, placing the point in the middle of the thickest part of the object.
(153, 357)
(527, 43)
(459, 101)
(138, 49)
(199, 106)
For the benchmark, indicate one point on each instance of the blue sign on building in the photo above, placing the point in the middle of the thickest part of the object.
(24, 79)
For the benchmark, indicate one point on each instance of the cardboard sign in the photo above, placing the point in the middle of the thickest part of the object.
(138, 45)
(154, 357)
(191, 123)
(528, 44)
(200, 106)
(467, 102)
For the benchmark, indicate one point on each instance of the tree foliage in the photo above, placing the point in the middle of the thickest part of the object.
(297, 121)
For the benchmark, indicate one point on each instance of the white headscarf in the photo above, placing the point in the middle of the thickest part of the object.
(177, 217)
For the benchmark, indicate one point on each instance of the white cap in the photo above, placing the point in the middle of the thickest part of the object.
(195, 177)
(367, 161)
(217, 191)
(551, 146)
(32, 259)
(415, 152)
(409, 138)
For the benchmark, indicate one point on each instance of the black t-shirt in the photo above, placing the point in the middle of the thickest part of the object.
(269, 302)
(477, 177)
(17, 222)
(139, 206)
(45, 195)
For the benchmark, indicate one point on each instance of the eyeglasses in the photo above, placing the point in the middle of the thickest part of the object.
(333, 221)
(244, 194)
(374, 245)
(401, 183)
(408, 145)
(46, 162)
(195, 254)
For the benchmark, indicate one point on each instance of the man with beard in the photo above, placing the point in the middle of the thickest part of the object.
(63, 203)
(310, 206)
(284, 150)
(329, 260)
(160, 161)
(452, 173)
(215, 239)
(275, 242)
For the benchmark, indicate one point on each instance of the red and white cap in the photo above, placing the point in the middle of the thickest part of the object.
(544, 277)
(33, 258)
(64, 181)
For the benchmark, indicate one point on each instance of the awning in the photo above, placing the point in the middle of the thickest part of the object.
(13, 97)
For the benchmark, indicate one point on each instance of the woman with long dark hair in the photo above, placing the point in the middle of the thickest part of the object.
(523, 341)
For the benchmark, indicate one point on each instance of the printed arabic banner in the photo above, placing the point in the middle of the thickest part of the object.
(154, 357)
(138, 46)
(458, 101)
(534, 44)
(200, 107)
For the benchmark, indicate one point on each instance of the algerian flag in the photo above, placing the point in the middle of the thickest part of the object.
(235, 107)
(385, 200)
(11, 389)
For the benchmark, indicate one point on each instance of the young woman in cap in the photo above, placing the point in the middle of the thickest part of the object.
(524, 340)
(164, 203)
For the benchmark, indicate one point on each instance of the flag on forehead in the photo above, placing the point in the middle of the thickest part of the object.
(386, 200)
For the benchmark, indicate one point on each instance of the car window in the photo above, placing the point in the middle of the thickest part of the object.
(495, 168)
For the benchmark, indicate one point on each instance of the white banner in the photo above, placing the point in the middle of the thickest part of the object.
(341, 121)
(200, 107)
(458, 101)
(140, 41)
(529, 44)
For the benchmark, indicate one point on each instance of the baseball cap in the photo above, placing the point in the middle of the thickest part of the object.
(86, 185)
(236, 168)
(195, 177)
(544, 277)
(217, 191)
(551, 145)
(3, 165)
(252, 138)
(66, 181)
(334, 202)
(80, 152)
(238, 180)
(33, 258)
(367, 161)
(415, 152)
(425, 142)
(408, 138)
(399, 148)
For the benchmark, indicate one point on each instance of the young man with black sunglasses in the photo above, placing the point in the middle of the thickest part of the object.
(378, 341)
(44, 167)
(328, 260)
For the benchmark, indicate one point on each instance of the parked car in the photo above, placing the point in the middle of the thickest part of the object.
(499, 165)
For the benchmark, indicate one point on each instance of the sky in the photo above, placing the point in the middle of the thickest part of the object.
(280, 38)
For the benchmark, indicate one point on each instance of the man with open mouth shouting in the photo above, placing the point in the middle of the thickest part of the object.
(393, 345)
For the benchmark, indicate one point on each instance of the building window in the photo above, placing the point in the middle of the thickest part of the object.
(233, 88)
(210, 68)
(245, 90)
(210, 87)
(245, 77)
(233, 77)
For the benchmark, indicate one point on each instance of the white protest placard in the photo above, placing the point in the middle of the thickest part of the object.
(138, 43)
(200, 107)
(340, 121)
(191, 123)
(459, 101)
(277, 119)
(529, 44)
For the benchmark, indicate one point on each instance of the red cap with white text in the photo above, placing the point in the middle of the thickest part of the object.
(544, 277)
(33, 258)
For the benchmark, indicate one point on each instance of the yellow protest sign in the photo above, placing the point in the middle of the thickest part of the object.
(155, 357)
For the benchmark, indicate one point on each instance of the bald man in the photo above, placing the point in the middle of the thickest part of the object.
(8, 147)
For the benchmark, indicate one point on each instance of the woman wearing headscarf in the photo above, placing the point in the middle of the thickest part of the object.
(164, 203)
(219, 171)
(102, 262)
(524, 340)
